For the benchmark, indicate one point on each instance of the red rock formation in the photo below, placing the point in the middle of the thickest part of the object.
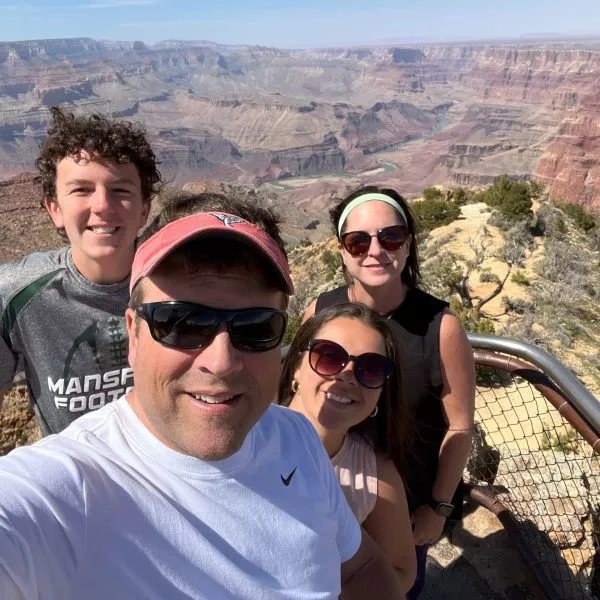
(571, 164)
(561, 79)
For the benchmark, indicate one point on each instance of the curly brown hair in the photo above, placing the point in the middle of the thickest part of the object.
(121, 141)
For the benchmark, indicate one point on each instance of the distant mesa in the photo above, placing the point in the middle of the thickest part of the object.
(407, 55)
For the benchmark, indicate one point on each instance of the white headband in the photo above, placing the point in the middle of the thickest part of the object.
(368, 198)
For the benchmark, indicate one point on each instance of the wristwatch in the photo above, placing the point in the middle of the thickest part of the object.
(444, 509)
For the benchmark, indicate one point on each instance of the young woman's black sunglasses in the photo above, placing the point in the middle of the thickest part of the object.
(189, 326)
(327, 358)
(390, 238)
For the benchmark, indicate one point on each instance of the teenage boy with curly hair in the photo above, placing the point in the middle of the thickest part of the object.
(62, 311)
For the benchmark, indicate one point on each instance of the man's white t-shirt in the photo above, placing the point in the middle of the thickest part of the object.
(105, 511)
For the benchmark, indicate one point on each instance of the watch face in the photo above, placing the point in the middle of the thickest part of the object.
(444, 509)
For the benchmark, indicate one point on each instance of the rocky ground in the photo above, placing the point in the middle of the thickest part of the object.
(478, 561)
(17, 423)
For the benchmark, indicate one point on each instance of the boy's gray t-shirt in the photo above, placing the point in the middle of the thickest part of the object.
(67, 333)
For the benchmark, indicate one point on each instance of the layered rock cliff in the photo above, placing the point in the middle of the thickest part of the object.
(254, 114)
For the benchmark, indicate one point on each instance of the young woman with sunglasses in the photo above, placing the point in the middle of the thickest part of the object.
(341, 373)
(376, 234)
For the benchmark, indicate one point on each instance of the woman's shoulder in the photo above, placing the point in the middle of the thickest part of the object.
(356, 454)
(387, 470)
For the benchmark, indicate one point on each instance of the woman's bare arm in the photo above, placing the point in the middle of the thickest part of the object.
(389, 523)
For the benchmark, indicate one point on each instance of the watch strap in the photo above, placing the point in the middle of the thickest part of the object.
(444, 509)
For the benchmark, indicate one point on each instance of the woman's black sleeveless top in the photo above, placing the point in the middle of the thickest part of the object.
(416, 324)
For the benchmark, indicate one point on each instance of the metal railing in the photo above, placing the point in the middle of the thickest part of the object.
(536, 462)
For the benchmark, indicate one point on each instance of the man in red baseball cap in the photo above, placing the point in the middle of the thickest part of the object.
(193, 485)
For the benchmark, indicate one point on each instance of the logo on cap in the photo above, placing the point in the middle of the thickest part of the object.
(228, 220)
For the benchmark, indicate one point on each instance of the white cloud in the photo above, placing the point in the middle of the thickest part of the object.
(117, 3)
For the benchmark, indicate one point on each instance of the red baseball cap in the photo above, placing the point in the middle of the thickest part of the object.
(174, 234)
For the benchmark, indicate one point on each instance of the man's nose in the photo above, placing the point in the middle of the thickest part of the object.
(220, 357)
(101, 201)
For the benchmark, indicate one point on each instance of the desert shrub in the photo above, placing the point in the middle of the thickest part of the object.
(295, 313)
(332, 261)
(537, 189)
(516, 305)
(471, 320)
(460, 196)
(431, 214)
(511, 198)
(432, 193)
(487, 276)
(517, 242)
(520, 278)
(565, 295)
(593, 240)
(562, 441)
(549, 221)
(582, 219)
(517, 203)
(480, 196)
(443, 274)
(565, 263)
(492, 378)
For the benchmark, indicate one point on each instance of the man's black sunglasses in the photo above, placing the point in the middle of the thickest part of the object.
(390, 238)
(327, 358)
(187, 326)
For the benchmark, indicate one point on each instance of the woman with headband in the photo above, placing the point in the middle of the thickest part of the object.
(376, 234)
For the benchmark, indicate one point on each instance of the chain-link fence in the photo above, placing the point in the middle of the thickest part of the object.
(536, 464)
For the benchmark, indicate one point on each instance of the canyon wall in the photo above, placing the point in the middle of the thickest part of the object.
(451, 114)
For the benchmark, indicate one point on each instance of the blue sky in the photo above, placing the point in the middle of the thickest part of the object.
(305, 23)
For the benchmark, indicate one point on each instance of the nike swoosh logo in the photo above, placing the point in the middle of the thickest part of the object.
(286, 480)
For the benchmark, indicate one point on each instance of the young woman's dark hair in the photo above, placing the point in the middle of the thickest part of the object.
(389, 429)
(411, 275)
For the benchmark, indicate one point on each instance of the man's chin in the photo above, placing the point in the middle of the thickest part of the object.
(213, 449)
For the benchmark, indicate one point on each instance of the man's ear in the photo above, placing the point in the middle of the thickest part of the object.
(146, 205)
(132, 330)
(51, 205)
